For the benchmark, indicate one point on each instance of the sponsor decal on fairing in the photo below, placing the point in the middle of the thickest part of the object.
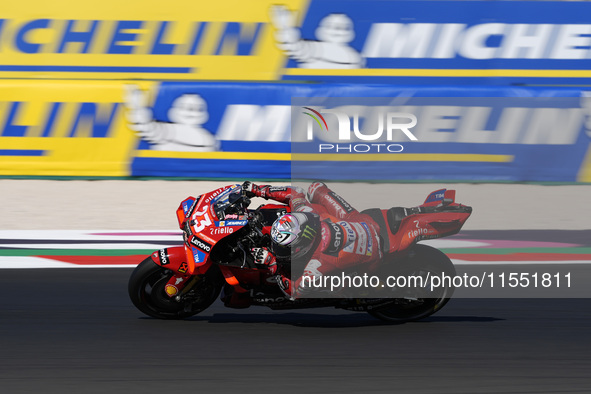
(200, 244)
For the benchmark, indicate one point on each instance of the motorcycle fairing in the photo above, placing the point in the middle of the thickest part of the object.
(435, 198)
(173, 258)
(230, 223)
(440, 216)
(204, 223)
(185, 209)
(428, 225)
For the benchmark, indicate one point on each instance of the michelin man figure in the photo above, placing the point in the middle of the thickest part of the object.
(187, 114)
(332, 50)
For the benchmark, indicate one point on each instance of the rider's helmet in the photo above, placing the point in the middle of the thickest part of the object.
(294, 234)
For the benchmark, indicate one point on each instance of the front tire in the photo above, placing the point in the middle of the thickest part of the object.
(146, 291)
(423, 260)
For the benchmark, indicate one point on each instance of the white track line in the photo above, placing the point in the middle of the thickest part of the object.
(65, 245)
(28, 262)
(558, 262)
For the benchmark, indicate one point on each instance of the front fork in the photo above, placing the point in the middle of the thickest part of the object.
(181, 282)
(178, 285)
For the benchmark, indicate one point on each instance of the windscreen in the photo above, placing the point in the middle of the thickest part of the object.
(226, 199)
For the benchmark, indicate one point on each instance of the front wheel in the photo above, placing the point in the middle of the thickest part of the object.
(424, 261)
(146, 290)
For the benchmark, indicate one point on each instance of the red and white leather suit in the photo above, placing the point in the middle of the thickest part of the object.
(349, 237)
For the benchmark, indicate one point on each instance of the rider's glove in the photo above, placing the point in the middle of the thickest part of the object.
(286, 286)
(250, 190)
(263, 257)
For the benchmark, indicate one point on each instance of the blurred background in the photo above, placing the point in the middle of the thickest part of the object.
(204, 92)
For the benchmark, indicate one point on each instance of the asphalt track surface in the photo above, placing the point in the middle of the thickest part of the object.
(75, 331)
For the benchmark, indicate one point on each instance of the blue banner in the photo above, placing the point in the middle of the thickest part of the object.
(233, 130)
(439, 42)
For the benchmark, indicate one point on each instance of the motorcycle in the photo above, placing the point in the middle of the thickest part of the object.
(219, 231)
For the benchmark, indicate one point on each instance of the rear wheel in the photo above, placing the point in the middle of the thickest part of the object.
(146, 290)
(424, 261)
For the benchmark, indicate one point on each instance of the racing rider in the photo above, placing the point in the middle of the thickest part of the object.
(323, 231)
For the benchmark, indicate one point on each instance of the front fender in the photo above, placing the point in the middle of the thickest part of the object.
(175, 259)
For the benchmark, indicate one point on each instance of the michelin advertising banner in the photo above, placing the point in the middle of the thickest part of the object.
(433, 136)
(434, 42)
(241, 130)
(402, 42)
(150, 39)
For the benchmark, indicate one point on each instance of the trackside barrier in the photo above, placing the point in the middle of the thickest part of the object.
(345, 41)
(244, 130)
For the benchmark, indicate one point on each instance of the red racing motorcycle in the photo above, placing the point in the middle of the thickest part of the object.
(219, 231)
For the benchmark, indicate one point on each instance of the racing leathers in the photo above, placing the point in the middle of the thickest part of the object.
(347, 237)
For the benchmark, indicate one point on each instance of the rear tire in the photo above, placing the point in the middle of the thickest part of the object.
(146, 291)
(422, 260)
